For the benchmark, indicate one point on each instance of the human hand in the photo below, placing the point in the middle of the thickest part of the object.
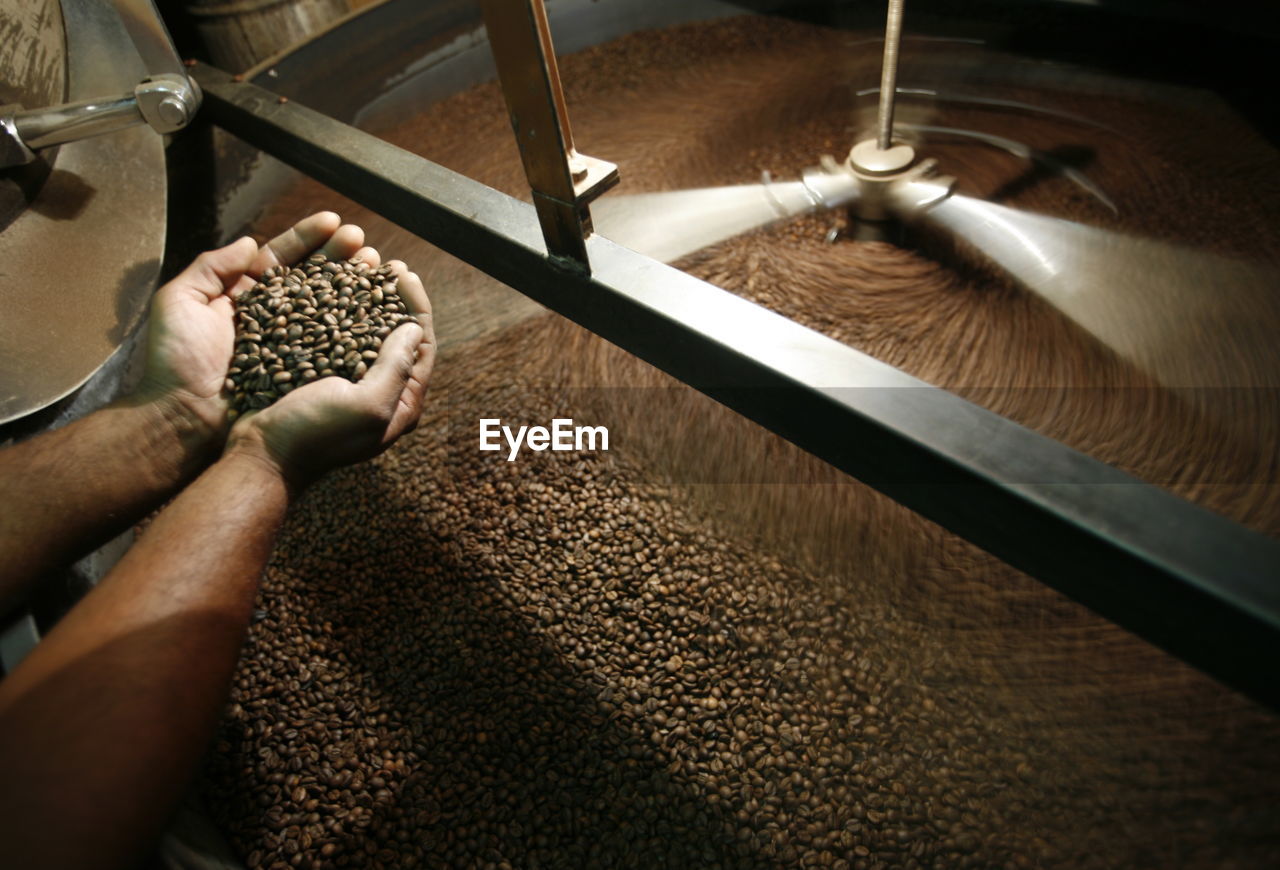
(192, 333)
(333, 422)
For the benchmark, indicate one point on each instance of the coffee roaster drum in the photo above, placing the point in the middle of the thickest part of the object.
(82, 230)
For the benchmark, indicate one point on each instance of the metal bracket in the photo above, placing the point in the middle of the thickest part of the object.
(166, 100)
(563, 181)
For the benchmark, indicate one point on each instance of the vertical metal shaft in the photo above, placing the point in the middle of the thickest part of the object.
(563, 181)
(889, 75)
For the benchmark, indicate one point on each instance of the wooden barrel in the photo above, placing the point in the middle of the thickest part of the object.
(239, 33)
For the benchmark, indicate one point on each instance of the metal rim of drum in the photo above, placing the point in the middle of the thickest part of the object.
(34, 65)
(82, 259)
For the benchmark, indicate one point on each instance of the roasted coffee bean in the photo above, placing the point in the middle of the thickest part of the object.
(278, 321)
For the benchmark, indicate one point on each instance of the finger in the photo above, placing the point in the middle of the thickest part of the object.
(385, 380)
(412, 397)
(344, 242)
(410, 288)
(213, 272)
(368, 255)
(420, 304)
(409, 407)
(298, 241)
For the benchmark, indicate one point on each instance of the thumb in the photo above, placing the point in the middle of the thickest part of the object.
(214, 271)
(386, 378)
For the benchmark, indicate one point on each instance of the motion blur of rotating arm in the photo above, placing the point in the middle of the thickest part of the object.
(166, 100)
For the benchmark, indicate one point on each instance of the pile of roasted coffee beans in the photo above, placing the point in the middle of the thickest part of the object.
(296, 324)
(461, 661)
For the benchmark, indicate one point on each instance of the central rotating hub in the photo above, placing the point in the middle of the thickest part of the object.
(878, 162)
(877, 169)
(871, 162)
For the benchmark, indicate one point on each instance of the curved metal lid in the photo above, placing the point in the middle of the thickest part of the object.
(79, 263)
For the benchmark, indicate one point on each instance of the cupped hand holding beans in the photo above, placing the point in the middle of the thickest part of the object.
(318, 392)
(192, 333)
(320, 424)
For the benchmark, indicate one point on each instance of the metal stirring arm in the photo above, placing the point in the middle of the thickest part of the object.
(563, 181)
(166, 100)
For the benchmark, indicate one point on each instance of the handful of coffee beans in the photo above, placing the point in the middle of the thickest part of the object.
(313, 320)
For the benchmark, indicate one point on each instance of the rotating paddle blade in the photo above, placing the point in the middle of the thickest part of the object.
(1187, 317)
(669, 225)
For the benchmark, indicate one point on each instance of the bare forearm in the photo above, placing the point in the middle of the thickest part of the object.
(144, 663)
(71, 490)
